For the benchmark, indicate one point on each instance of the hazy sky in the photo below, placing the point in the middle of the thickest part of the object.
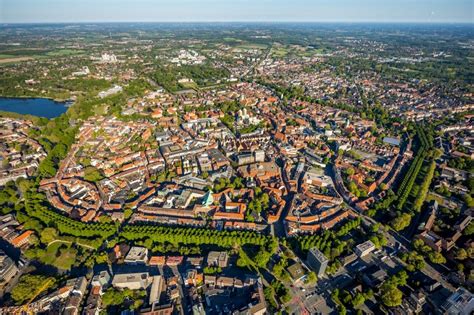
(13, 11)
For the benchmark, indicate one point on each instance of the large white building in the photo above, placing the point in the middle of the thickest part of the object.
(113, 90)
(137, 255)
(132, 281)
(8, 268)
(460, 302)
(108, 58)
(317, 261)
(317, 177)
(364, 248)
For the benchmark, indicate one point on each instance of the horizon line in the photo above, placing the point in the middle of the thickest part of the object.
(244, 22)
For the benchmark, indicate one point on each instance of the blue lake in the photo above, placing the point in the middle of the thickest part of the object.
(42, 107)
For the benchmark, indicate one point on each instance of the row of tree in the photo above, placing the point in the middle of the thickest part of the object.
(424, 188)
(192, 235)
(425, 144)
(36, 207)
(409, 180)
(425, 139)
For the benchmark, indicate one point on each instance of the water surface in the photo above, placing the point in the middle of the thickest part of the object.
(42, 107)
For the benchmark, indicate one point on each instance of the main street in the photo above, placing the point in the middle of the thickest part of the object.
(278, 228)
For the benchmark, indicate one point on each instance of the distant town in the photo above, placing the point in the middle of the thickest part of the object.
(237, 169)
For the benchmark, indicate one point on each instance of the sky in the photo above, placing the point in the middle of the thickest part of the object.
(435, 11)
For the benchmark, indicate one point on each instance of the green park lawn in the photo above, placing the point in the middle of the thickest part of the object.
(59, 255)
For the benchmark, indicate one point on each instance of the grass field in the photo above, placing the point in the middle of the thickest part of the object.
(64, 52)
(282, 51)
(438, 199)
(101, 110)
(189, 85)
(60, 255)
(232, 39)
(279, 52)
(14, 59)
(252, 46)
(22, 55)
(6, 56)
